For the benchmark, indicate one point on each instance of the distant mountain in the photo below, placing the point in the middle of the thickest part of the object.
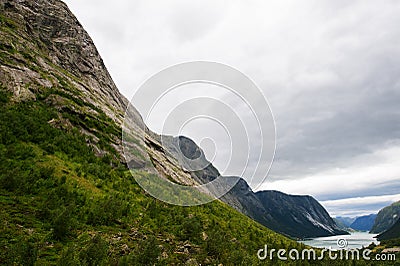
(345, 221)
(298, 216)
(270, 208)
(340, 224)
(363, 223)
(392, 233)
(386, 218)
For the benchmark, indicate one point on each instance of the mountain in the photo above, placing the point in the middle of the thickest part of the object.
(340, 224)
(261, 206)
(294, 216)
(66, 194)
(298, 216)
(345, 221)
(392, 233)
(386, 218)
(363, 223)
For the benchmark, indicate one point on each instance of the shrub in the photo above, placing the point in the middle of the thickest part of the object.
(95, 253)
(147, 253)
(63, 224)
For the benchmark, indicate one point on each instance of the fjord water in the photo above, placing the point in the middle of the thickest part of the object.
(354, 240)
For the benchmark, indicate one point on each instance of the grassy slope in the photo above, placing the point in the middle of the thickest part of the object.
(60, 201)
(62, 204)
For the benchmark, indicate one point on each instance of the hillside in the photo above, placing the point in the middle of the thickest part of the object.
(386, 218)
(66, 195)
(392, 233)
(363, 223)
(294, 216)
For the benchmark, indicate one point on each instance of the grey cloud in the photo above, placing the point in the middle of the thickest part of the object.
(330, 69)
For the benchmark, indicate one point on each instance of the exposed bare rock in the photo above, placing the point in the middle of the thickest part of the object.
(46, 56)
(65, 50)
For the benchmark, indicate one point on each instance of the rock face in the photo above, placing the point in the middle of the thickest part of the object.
(363, 223)
(62, 47)
(49, 57)
(298, 216)
(386, 218)
(63, 176)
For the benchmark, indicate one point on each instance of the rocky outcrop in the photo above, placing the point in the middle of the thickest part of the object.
(47, 56)
(61, 54)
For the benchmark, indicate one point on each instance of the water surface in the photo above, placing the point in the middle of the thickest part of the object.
(354, 240)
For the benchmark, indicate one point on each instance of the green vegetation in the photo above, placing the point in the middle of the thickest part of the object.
(62, 204)
(395, 242)
(392, 234)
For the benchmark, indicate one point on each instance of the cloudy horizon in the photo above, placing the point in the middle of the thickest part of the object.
(330, 71)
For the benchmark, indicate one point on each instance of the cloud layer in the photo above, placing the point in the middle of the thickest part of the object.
(330, 70)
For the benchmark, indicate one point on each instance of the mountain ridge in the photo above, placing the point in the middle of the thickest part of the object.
(65, 188)
(363, 223)
(67, 196)
(300, 216)
(262, 206)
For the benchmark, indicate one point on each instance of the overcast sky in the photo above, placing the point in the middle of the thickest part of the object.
(329, 69)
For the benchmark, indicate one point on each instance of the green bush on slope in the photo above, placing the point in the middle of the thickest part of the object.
(57, 209)
(56, 204)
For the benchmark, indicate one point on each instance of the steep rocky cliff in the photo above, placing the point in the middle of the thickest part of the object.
(50, 57)
(49, 48)
(66, 194)
(65, 189)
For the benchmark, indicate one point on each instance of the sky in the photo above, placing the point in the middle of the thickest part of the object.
(330, 71)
